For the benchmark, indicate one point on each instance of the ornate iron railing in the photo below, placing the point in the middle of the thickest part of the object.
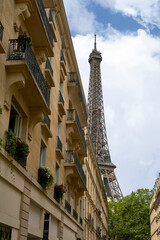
(71, 157)
(51, 19)
(67, 206)
(73, 77)
(59, 144)
(20, 49)
(61, 98)
(1, 31)
(45, 20)
(73, 116)
(75, 214)
(62, 57)
(47, 121)
(49, 66)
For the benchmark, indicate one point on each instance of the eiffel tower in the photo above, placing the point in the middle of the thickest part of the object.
(97, 128)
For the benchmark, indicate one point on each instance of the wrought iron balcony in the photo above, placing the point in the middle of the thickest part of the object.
(20, 49)
(75, 214)
(48, 66)
(1, 31)
(67, 206)
(47, 121)
(72, 158)
(73, 77)
(51, 19)
(45, 20)
(72, 116)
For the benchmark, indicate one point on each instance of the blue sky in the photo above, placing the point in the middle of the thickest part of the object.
(128, 35)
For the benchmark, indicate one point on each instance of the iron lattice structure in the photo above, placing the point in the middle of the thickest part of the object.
(97, 127)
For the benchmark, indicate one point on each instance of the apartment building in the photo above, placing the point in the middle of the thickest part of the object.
(155, 211)
(95, 199)
(49, 179)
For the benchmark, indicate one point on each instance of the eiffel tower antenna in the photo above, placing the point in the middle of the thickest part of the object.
(97, 127)
(95, 42)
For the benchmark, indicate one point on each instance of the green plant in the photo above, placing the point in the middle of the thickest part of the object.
(22, 150)
(45, 177)
(59, 190)
(11, 143)
(16, 148)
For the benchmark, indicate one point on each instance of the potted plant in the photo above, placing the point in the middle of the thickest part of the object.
(16, 148)
(45, 178)
(22, 151)
(59, 191)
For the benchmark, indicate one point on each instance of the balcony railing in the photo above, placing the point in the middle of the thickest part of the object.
(75, 214)
(62, 57)
(45, 20)
(59, 143)
(1, 31)
(67, 206)
(71, 157)
(47, 121)
(73, 77)
(51, 19)
(48, 66)
(72, 116)
(61, 98)
(19, 49)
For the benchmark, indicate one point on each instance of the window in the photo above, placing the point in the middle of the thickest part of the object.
(15, 121)
(43, 155)
(80, 210)
(57, 175)
(74, 201)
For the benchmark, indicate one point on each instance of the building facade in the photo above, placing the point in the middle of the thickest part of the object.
(49, 180)
(155, 211)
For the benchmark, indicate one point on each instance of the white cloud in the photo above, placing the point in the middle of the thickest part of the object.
(131, 86)
(80, 19)
(146, 12)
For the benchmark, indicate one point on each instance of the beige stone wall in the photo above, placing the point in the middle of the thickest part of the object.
(23, 202)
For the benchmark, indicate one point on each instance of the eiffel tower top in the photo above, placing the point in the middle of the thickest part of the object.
(95, 53)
